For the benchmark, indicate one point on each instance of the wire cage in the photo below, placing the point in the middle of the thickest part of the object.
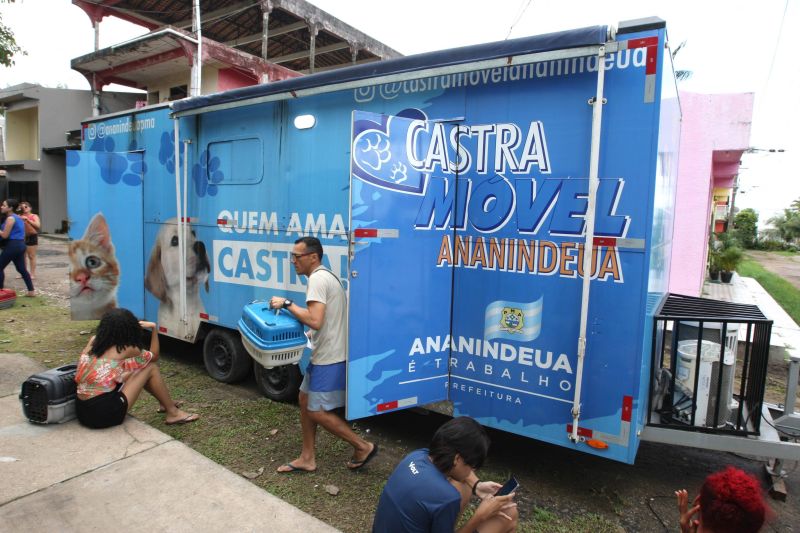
(709, 361)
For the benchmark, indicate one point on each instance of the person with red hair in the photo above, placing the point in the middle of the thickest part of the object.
(730, 501)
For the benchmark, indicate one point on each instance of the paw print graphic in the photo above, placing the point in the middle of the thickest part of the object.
(206, 175)
(166, 151)
(114, 167)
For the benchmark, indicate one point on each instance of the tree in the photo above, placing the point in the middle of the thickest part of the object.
(746, 224)
(787, 225)
(8, 45)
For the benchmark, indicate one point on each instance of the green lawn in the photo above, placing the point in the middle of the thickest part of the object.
(781, 290)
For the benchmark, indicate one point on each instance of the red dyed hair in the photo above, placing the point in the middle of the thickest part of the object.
(732, 501)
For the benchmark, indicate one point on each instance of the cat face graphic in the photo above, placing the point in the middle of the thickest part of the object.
(94, 270)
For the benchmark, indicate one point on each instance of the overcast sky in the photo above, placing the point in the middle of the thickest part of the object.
(731, 46)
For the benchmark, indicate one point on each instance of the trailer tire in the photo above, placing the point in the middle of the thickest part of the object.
(280, 383)
(224, 355)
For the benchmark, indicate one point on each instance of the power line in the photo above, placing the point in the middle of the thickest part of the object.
(777, 43)
(522, 12)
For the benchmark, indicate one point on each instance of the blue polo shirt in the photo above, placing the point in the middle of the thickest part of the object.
(417, 499)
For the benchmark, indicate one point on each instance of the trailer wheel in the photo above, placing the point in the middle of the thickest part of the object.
(225, 358)
(280, 383)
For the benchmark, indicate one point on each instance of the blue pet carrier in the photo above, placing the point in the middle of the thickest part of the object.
(273, 339)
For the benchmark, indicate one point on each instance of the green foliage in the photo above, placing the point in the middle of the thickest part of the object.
(746, 224)
(786, 227)
(8, 45)
(729, 258)
(713, 260)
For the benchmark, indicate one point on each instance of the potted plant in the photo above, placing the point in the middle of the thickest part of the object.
(713, 264)
(729, 259)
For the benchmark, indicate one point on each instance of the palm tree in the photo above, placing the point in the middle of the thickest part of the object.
(787, 225)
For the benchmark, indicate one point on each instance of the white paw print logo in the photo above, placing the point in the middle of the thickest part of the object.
(399, 172)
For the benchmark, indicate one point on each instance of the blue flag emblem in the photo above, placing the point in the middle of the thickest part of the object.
(513, 320)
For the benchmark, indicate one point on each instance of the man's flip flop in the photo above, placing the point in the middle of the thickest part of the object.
(291, 469)
(355, 465)
(185, 420)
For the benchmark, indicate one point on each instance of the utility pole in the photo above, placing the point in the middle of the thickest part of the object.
(732, 203)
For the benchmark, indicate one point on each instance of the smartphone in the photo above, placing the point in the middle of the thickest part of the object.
(508, 487)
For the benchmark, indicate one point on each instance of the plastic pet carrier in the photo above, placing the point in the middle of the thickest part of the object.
(7, 298)
(49, 397)
(273, 339)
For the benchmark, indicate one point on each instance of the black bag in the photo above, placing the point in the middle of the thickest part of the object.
(49, 397)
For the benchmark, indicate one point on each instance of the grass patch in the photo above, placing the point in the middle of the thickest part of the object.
(247, 433)
(787, 296)
(545, 521)
(43, 332)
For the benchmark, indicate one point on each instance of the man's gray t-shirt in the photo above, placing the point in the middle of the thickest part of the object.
(329, 341)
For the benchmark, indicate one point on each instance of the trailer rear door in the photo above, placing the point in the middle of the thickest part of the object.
(400, 308)
(105, 197)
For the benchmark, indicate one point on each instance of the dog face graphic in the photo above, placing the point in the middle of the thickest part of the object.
(163, 270)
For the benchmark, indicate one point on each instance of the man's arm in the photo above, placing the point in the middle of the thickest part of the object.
(313, 316)
(489, 507)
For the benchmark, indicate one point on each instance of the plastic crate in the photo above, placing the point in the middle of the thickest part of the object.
(272, 339)
(49, 397)
(7, 298)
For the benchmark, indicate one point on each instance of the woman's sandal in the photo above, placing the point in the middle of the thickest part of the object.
(161, 409)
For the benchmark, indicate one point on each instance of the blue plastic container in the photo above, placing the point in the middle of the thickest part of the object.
(273, 339)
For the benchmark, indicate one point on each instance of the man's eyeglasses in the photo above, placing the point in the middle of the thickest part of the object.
(295, 256)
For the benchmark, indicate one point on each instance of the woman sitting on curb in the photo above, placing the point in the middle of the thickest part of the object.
(114, 368)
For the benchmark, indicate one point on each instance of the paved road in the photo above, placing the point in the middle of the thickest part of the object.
(787, 267)
(51, 271)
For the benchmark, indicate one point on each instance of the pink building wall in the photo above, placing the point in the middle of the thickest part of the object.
(715, 131)
(230, 78)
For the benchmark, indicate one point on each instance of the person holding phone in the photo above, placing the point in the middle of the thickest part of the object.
(32, 227)
(730, 501)
(431, 487)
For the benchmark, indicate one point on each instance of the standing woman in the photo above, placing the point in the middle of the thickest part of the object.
(14, 250)
(32, 227)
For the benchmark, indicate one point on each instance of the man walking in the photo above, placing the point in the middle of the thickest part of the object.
(323, 387)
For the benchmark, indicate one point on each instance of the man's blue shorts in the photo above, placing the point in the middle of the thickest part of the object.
(325, 386)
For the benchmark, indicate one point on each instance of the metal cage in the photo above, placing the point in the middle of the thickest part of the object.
(709, 361)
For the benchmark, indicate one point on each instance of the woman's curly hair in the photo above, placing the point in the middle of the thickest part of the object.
(120, 328)
(732, 501)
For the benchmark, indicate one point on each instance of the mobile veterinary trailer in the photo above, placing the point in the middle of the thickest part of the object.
(455, 193)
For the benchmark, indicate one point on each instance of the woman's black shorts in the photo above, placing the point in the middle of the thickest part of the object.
(32, 240)
(108, 409)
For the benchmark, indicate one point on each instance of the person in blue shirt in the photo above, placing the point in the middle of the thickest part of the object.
(430, 487)
(13, 229)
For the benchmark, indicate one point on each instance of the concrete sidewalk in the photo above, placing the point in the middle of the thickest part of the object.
(785, 332)
(128, 478)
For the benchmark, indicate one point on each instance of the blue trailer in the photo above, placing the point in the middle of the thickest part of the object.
(461, 196)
